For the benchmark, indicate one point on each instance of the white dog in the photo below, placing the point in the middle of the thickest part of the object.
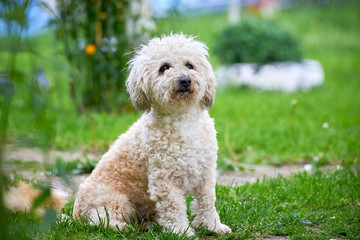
(169, 152)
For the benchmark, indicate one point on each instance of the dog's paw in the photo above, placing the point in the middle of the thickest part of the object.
(216, 227)
(222, 229)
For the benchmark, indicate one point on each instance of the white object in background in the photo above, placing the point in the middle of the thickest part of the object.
(280, 76)
(234, 11)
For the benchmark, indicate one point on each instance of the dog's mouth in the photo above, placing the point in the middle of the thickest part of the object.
(185, 90)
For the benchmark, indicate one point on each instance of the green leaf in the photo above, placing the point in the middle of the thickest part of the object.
(49, 218)
(42, 198)
(6, 89)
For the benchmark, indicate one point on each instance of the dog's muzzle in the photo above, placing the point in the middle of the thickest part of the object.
(184, 84)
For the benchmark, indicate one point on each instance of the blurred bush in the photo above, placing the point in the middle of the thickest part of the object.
(256, 41)
(95, 42)
(14, 77)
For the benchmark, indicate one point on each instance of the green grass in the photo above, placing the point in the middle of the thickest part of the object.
(253, 126)
(324, 205)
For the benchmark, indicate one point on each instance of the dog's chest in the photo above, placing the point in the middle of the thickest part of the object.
(182, 151)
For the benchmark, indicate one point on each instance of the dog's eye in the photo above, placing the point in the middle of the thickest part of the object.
(164, 67)
(189, 66)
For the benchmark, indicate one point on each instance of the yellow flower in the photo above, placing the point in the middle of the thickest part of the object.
(90, 49)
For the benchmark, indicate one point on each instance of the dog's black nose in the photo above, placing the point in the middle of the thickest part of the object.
(185, 82)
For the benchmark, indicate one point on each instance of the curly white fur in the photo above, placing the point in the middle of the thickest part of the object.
(171, 151)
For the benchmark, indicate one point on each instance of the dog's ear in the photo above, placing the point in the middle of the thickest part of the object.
(135, 87)
(209, 96)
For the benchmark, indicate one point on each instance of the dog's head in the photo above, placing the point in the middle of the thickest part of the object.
(171, 73)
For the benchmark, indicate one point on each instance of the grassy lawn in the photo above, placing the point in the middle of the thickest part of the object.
(253, 127)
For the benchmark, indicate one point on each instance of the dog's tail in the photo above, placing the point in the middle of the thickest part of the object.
(23, 196)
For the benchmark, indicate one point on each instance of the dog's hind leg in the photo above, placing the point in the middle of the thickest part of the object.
(113, 209)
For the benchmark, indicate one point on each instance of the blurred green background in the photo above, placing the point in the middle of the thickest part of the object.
(254, 126)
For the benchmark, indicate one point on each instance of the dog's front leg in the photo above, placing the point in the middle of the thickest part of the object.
(170, 205)
(204, 208)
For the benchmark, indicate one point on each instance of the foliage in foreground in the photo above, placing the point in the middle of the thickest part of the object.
(317, 206)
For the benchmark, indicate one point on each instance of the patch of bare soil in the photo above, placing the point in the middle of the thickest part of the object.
(36, 155)
(254, 172)
(27, 162)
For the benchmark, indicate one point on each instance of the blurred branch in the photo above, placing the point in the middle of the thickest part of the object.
(6, 92)
(14, 14)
